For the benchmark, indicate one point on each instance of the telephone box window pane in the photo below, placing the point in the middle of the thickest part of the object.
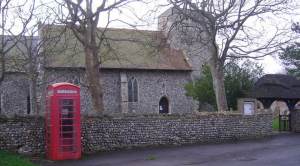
(67, 102)
(67, 112)
(67, 148)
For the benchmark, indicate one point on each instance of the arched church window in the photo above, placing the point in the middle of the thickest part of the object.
(164, 106)
(132, 90)
(28, 104)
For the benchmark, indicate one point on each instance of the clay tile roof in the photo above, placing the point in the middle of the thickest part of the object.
(278, 86)
(122, 49)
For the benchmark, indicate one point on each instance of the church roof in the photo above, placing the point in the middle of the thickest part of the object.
(278, 86)
(121, 49)
(17, 50)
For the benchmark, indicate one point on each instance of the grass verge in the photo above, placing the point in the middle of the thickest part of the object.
(10, 159)
(275, 124)
(151, 157)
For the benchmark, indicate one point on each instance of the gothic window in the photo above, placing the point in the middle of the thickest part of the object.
(132, 90)
(28, 104)
(1, 102)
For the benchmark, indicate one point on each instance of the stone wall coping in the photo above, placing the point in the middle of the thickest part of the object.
(134, 116)
(230, 113)
(20, 118)
(172, 116)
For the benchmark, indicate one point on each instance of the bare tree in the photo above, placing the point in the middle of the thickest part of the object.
(223, 28)
(9, 38)
(28, 51)
(83, 18)
(30, 54)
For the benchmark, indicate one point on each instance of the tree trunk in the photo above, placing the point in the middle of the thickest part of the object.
(93, 77)
(219, 86)
(33, 97)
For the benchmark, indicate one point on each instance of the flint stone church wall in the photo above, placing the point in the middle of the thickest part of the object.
(14, 93)
(152, 85)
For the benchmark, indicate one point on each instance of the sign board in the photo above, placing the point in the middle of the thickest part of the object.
(248, 108)
(66, 91)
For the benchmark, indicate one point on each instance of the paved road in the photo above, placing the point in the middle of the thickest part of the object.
(280, 150)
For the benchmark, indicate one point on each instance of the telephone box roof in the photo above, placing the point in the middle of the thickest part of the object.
(63, 84)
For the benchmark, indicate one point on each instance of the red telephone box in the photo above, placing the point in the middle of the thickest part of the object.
(63, 138)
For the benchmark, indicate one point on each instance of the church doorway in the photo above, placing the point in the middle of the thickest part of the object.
(163, 105)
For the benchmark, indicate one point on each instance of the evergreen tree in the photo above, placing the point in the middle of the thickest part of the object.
(238, 80)
(291, 59)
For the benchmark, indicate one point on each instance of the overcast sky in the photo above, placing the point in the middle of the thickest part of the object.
(143, 16)
(271, 64)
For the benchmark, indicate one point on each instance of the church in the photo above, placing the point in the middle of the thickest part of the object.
(142, 71)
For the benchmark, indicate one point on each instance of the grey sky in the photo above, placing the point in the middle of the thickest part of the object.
(268, 26)
(143, 16)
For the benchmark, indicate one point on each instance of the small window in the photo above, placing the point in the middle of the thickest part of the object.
(132, 90)
(28, 104)
(1, 102)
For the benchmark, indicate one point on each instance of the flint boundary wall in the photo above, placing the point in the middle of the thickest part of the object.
(128, 131)
(295, 120)
(22, 132)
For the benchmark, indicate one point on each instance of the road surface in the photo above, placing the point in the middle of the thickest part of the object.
(279, 150)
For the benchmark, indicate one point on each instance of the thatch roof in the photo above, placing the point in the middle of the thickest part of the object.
(277, 86)
(121, 49)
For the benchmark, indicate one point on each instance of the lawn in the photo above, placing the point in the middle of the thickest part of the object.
(10, 159)
(275, 123)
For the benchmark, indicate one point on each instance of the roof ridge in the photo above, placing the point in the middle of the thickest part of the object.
(109, 28)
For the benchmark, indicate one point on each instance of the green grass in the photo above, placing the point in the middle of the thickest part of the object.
(151, 157)
(10, 159)
(275, 123)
